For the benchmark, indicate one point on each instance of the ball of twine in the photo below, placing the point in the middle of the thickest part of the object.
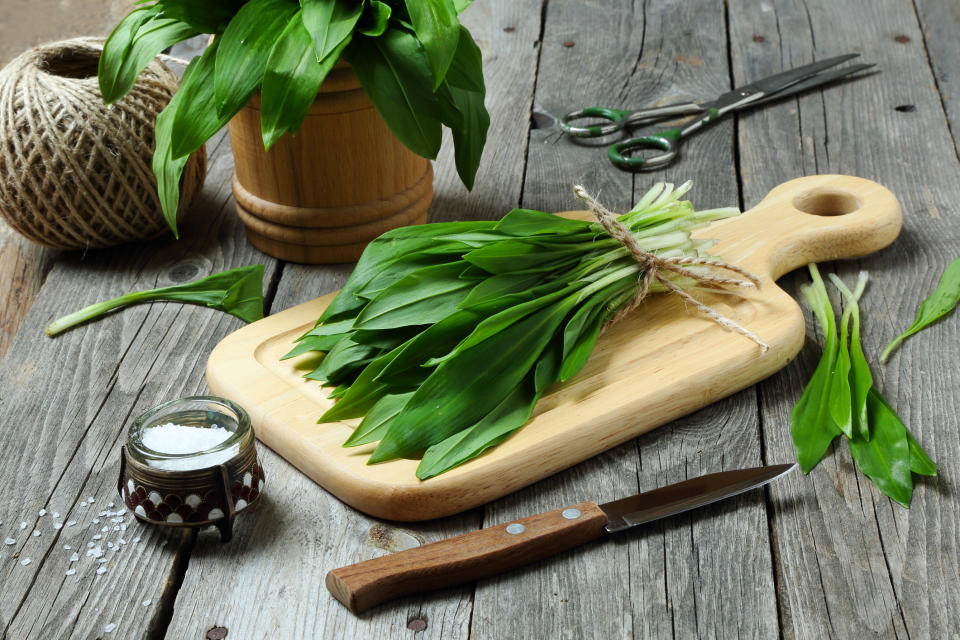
(75, 173)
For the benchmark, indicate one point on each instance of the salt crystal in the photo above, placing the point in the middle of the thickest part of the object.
(10, 541)
(42, 513)
(74, 557)
(35, 533)
(147, 603)
(89, 545)
(137, 539)
(101, 571)
(23, 525)
(123, 527)
(97, 537)
(102, 560)
(96, 521)
(58, 525)
(122, 541)
(70, 523)
(116, 528)
(109, 545)
(56, 515)
(103, 513)
(110, 505)
(66, 547)
(105, 529)
(179, 439)
(110, 627)
(90, 499)
(70, 572)
(25, 561)
(96, 552)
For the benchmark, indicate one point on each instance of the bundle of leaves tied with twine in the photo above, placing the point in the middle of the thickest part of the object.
(447, 334)
(74, 173)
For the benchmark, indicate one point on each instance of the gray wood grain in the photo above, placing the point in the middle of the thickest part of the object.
(65, 404)
(851, 563)
(707, 574)
(301, 531)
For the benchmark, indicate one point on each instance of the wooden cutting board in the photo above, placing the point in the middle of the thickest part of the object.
(658, 364)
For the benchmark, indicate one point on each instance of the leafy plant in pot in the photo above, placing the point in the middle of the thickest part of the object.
(366, 86)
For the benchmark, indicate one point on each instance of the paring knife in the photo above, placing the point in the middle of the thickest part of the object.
(487, 552)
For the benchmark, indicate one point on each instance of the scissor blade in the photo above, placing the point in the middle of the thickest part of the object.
(782, 80)
(818, 80)
(686, 495)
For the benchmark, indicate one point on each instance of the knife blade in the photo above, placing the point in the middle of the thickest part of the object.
(486, 552)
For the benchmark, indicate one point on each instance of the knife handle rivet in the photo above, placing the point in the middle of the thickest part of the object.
(515, 528)
(571, 514)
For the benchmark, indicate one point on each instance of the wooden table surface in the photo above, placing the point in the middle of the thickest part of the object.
(819, 556)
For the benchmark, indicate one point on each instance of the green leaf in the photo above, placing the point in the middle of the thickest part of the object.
(342, 361)
(470, 138)
(812, 426)
(422, 297)
(192, 106)
(395, 75)
(460, 5)
(133, 44)
(492, 429)
(885, 458)
(330, 24)
(436, 25)
(920, 462)
(291, 81)
(243, 54)
(466, 69)
(860, 377)
(236, 291)
(462, 390)
(364, 392)
(518, 255)
(941, 302)
(525, 222)
(375, 18)
(434, 341)
(378, 420)
(313, 343)
(579, 351)
(209, 16)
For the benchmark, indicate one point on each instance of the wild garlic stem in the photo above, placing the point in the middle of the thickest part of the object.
(95, 310)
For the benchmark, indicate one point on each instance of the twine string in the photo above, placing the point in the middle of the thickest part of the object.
(653, 268)
(75, 173)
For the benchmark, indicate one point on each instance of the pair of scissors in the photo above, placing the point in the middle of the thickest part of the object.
(774, 87)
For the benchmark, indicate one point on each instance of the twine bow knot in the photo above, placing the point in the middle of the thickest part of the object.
(653, 268)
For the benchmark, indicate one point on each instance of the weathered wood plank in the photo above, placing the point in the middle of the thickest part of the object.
(65, 404)
(849, 561)
(707, 574)
(301, 532)
(23, 268)
(939, 22)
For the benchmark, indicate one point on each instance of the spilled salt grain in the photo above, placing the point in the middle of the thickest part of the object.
(42, 512)
(66, 547)
(101, 571)
(36, 533)
(109, 545)
(25, 561)
(74, 557)
(70, 572)
(110, 505)
(101, 560)
(137, 539)
(96, 521)
(58, 526)
(110, 627)
(105, 529)
(9, 541)
(90, 499)
(97, 537)
(56, 515)
(89, 545)
(70, 523)
(147, 603)
(122, 541)
(116, 527)
(23, 525)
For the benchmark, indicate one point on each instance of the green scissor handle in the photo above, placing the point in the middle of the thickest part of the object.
(667, 141)
(616, 118)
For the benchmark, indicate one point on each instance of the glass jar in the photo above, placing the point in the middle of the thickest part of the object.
(191, 478)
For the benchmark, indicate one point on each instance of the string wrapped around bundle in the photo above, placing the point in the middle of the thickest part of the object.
(75, 173)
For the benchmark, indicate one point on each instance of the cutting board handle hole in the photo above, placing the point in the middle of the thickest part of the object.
(824, 201)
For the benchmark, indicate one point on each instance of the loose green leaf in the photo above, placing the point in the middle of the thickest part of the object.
(920, 462)
(396, 76)
(466, 69)
(885, 458)
(436, 25)
(812, 425)
(330, 24)
(941, 302)
(242, 57)
(860, 378)
(133, 44)
(236, 291)
(291, 80)
(469, 138)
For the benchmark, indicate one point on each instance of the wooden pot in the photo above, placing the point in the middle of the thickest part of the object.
(320, 196)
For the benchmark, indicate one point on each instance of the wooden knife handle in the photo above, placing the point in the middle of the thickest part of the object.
(465, 558)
